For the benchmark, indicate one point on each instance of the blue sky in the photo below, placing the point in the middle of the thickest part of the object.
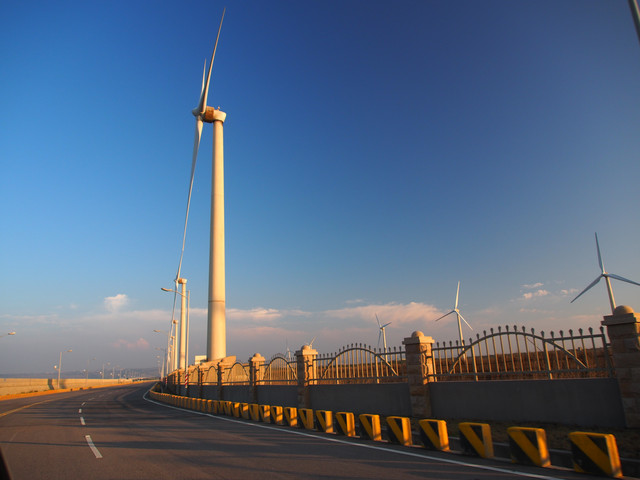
(376, 153)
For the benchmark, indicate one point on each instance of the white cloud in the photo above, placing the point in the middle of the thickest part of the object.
(532, 286)
(537, 293)
(115, 303)
(140, 344)
(569, 291)
(397, 313)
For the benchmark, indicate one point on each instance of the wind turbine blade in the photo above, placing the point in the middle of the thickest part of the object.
(452, 311)
(599, 256)
(457, 295)
(590, 285)
(377, 320)
(196, 146)
(463, 319)
(622, 279)
(205, 91)
(386, 325)
(379, 337)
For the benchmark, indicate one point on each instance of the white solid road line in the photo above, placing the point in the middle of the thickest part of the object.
(371, 447)
(93, 448)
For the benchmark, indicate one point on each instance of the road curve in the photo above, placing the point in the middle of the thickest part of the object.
(118, 433)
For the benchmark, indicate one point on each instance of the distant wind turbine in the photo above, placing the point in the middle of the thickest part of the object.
(382, 333)
(606, 277)
(459, 315)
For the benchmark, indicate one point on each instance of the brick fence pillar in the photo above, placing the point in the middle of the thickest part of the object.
(420, 372)
(305, 359)
(623, 330)
(255, 375)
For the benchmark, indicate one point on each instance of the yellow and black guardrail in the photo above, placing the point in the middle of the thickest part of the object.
(370, 427)
(324, 421)
(528, 446)
(345, 423)
(254, 412)
(475, 439)
(307, 420)
(593, 453)
(434, 435)
(291, 416)
(277, 416)
(265, 413)
(399, 431)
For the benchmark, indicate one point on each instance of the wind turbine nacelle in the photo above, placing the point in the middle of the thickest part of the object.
(211, 115)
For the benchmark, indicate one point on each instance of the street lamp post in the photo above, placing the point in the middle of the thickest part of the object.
(169, 352)
(60, 366)
(183, 331)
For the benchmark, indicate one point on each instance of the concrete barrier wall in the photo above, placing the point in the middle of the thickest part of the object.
(13, 386)
(237, 393)
(586, 402)
(385, 399)
(282, 395)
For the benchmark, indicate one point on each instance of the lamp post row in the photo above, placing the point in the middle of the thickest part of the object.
(178, 344)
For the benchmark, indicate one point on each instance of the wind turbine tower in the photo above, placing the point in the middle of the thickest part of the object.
(458, 315)
(382, 333)
(607, 279)
(216, 316)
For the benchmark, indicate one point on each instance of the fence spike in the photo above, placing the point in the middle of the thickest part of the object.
(542, 333)
(580, 330)
(524, 329)
(507, 327)
(484, 332)
(590, 330)
(571, 332)
(533, 331)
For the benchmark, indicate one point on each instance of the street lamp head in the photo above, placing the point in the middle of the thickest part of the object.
(11, 333)
(166, 289)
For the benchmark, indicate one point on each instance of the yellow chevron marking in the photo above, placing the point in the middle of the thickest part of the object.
(439, 438)
(608, 461)
(538, 453)
(347, 423)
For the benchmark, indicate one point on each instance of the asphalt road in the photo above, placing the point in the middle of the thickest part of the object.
(118, 433)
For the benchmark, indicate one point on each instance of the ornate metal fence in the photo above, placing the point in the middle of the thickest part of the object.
(361, 364)
(209, 375)
(238, 374)
(280, 371)
(518, 354)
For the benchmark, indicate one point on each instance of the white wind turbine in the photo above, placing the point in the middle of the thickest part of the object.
(606, 277)
(382, 333)
(458, 315)
(216, 317)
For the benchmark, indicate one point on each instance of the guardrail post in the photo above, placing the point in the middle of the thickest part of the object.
(306, 363)
(623, 330)
(255, 375)
(420, 372)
